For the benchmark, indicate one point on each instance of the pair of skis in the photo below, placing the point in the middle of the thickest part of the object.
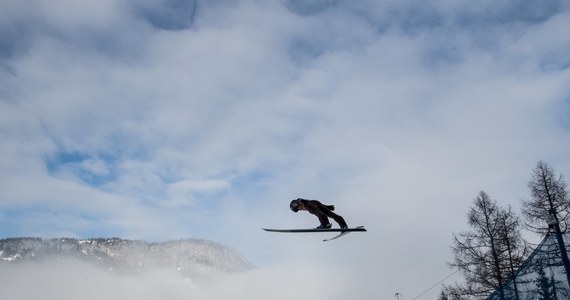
(343, 232)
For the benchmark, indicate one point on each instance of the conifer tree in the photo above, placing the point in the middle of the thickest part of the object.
(550, 206)
(443, 296)
(549, 203)
(489, 253)
(545, 288)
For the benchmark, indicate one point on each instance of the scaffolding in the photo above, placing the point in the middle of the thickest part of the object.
(542, 276)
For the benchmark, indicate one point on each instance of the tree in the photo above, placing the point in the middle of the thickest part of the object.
(545, 288)
(443, 296)
(489, 253)
(549, 203)
(516, 248)
(451, 293)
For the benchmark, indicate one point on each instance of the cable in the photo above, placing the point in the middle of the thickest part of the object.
(439, 282)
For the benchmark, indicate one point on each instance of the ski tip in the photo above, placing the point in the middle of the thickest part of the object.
(357, 228)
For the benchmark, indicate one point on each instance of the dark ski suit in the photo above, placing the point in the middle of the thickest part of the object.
(323, 212)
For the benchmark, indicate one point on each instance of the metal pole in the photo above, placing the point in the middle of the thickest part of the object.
(565, 260)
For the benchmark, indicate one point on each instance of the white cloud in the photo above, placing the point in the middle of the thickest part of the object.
(208, 129)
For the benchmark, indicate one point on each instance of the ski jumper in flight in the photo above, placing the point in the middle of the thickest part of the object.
(322, 211)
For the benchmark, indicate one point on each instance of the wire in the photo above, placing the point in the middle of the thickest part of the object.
(439, 282)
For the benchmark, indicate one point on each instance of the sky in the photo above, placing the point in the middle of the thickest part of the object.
(169, 119)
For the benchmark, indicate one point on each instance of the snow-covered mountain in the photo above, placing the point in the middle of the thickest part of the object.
(186, 255)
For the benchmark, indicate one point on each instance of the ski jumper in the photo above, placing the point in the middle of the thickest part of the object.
(323, 212)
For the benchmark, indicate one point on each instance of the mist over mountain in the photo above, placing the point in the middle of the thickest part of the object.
(122, 255)
(117, 269)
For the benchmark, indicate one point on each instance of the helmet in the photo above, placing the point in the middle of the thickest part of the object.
(294, 206)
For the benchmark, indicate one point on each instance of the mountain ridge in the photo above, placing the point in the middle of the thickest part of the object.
(125, 255)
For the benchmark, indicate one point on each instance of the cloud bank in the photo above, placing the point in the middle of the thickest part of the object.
(69, 279)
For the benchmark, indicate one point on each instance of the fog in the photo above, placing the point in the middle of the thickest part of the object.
(73, 279)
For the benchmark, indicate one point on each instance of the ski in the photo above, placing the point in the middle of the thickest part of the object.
(337, 236)
(359, 228)
(343, 232)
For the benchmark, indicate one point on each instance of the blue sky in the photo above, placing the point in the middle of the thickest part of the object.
(167, 119)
